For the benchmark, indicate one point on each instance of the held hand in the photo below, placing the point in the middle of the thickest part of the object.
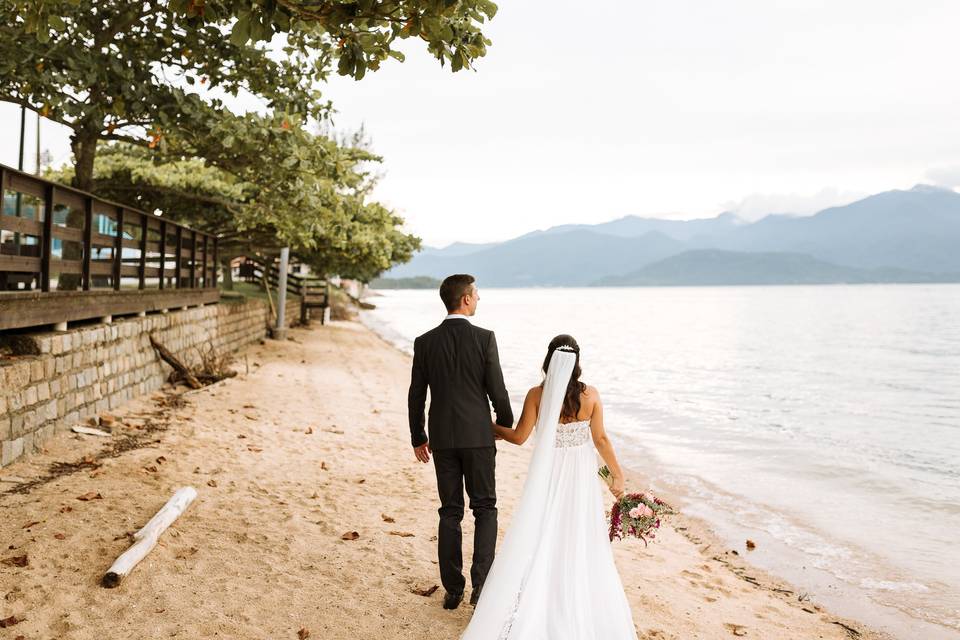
(616, 487)
(496, 436)
(422, 452)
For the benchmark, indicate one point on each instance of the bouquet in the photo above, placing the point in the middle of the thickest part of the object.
(634, 515)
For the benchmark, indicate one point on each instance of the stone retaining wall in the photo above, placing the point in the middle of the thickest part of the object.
(58, 379)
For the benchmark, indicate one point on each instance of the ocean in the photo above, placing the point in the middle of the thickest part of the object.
(823, 422)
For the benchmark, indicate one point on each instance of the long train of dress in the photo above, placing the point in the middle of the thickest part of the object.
(571, 589)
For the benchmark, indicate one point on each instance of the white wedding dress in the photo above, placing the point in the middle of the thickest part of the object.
(554, 576)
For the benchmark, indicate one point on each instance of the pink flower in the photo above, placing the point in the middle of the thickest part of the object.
(636, 512)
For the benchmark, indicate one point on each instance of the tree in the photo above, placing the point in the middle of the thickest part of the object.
(130, 71)
(136, 70)
(351, 237)
(112, 68)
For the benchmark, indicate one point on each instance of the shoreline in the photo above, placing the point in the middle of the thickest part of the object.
(309, 445)
(781, 566)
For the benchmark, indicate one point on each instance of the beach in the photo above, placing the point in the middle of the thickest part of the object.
(307, 445)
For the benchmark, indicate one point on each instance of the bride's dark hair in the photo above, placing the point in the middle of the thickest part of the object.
(571, 400)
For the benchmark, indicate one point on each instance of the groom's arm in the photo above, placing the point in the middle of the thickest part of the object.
(496, 390)
(417, 397)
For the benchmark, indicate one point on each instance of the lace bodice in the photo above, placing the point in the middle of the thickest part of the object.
(573, 434)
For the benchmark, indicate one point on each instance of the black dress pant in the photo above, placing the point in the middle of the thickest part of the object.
(474, 468)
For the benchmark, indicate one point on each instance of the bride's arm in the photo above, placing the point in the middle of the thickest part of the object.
(519, 434)
(603, 444)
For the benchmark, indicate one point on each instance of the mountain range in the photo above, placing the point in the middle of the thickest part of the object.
(895, 236)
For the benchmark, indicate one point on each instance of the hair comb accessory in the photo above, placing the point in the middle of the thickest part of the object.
(568, 349)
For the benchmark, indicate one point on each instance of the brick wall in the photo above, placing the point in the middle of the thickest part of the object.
(61, 378)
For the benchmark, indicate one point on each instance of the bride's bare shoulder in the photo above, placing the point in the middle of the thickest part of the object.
(535, 392)
(590, 391)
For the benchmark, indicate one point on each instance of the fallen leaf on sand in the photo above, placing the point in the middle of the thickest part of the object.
(303, 634)
(249, 417)
(736, 629)
(387, 518)
(350, 535)
(211, 482)
(324, 467)
(30, 524)
(314, 496)
(309, 430)
(59, 536)
(240, 436)
(151, 468)
(361, 480)
(751, 544)
(66, 508)
(161, 460)
(249, 406)
(401, 534)
(433, 538)
(250, 447)
(9, 622)
(186, 553)
(426, 593)
(16, 561)
(90, 495)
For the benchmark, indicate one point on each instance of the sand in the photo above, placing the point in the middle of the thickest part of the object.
(312, 443)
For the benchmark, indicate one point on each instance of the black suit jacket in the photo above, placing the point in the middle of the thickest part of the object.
(460, 364)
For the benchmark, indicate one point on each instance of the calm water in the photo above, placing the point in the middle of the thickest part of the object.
(821, 421)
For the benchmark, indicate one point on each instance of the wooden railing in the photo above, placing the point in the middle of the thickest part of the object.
(68, 255)
(313, 291)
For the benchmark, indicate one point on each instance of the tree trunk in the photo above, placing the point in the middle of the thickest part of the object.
(226, 282)
(84, 146)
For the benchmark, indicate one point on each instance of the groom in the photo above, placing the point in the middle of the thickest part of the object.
(460, 364)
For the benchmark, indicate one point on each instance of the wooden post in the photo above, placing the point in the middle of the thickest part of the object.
(216, 259)
(118, 251)
(87, 240)
(142, 268)
(163, 249)
(179, 255)
(206, 274)
(303, 302)
(193, 258)
(46, 242)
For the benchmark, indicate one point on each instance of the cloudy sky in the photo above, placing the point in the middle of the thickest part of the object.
(585, 112)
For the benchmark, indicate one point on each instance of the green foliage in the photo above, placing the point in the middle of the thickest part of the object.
(329, 224)
(363, 33)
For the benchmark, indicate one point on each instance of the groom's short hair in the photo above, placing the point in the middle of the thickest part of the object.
(454, 288)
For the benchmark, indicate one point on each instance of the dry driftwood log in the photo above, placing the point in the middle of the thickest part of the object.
(146, 538)
(174, 362)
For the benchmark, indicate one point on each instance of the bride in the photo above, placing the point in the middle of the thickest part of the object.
(554, 577)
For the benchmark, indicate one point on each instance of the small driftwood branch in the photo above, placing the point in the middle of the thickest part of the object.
(146, 538)
(174, 362)
(89, 431)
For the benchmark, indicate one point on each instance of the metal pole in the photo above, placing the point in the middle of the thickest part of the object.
(23, 125)
(280, 333)
(38, 143)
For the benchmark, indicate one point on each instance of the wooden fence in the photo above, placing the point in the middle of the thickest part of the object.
(313, 291)
(68, 255)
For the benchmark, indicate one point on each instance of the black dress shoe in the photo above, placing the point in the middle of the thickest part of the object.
(475, 596)
(452, 600)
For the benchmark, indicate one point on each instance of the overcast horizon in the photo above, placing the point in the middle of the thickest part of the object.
(684, 110)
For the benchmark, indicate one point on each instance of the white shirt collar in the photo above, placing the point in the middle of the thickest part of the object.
(457, 316)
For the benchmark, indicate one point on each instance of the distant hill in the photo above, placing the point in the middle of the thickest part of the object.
(573, 258)
(894, 236)
(706, 267)
(417, 282)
